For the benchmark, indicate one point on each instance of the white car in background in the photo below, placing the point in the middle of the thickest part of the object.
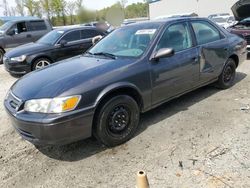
(224, 21)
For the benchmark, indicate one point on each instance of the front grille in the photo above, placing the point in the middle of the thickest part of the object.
(247, 39)
(14, 102)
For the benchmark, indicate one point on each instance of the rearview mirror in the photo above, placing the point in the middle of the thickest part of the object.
(163, 52)
(63, 43)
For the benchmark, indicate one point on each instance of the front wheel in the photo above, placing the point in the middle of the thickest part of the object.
(226, 78)
(117, 120)
(41, 63)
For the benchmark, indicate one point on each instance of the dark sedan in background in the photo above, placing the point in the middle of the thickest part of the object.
(132, 70)
(57, 45)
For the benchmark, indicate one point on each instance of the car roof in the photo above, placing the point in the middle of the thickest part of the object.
(75, 28)
(168, 20)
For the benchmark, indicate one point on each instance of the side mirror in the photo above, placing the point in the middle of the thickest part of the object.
(163, 52)
(63, 43)
(11, 32)
(96, 39)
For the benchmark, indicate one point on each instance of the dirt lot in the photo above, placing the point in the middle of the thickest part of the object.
(199, 140)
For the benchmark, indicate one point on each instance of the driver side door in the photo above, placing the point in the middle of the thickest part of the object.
(19, 36)
(174, 75)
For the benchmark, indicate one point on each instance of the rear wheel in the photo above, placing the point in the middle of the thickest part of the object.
(117, 120)
(1, 56)
(41, 63)
(226, 78)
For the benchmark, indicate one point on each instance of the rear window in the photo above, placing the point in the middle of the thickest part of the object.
(37, 25)
(72, 36)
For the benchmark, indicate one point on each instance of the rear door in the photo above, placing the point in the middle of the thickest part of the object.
(213, 49)
(87, 35)
(176, 74)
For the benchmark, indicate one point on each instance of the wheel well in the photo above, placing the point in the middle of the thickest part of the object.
(123, 91)
(2, 49)
(40, 57)
(236, 59)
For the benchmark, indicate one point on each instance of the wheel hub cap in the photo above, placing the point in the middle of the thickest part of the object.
(42, 64)
(119, 119)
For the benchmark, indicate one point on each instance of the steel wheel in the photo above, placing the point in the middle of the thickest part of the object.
(226, 78)
(117, 120)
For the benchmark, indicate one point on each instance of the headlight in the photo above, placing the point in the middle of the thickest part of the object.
(52, 106)
(18, 59)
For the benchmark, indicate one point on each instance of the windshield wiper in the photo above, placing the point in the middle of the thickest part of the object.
(112, 56)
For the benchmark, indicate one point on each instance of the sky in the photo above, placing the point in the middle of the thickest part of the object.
(90, 4)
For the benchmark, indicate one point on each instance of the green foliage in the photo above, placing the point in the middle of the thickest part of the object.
(64, 12)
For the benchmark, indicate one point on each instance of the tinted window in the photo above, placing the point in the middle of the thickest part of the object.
(89, 33)
(177, 37)
(37, 25)
(51, 37)
(72, 36)
(205, 32)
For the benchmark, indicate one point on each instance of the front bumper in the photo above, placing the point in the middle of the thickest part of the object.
(16, 67)
(51, 129)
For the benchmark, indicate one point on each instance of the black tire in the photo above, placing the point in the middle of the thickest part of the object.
(38, 61)
(1, 56)
(226, 78)
(117, 120)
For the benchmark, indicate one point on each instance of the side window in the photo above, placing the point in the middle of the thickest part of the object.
(89, 33)
(19, 27)
(72, 36)
(37, 25)
(205, 32)
(176, 36)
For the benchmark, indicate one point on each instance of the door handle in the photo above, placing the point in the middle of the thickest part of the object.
(28, 35)
(194, 60)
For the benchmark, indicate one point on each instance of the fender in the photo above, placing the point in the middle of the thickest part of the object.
(114, 87)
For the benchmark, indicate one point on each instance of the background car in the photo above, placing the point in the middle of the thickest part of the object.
(241, 11)
(18, 32)
(57, 45)
(132, 70)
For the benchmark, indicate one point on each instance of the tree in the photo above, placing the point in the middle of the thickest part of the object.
(20, 7)
(46, 6)
(70, 8)
(58, 8)
(5, 7)
(31, 6)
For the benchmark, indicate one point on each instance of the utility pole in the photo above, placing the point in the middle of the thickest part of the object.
(197, 9)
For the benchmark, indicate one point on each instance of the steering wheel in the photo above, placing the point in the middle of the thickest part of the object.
(142, 47)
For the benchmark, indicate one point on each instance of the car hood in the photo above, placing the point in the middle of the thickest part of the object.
(68, 77)
(241, 9)
(27, 49)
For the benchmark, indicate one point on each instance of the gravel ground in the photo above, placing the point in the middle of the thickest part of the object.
(199, 140)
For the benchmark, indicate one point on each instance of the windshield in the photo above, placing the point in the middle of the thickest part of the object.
(51, 37)
(129, 41)
(219, 20)
(6, 26)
